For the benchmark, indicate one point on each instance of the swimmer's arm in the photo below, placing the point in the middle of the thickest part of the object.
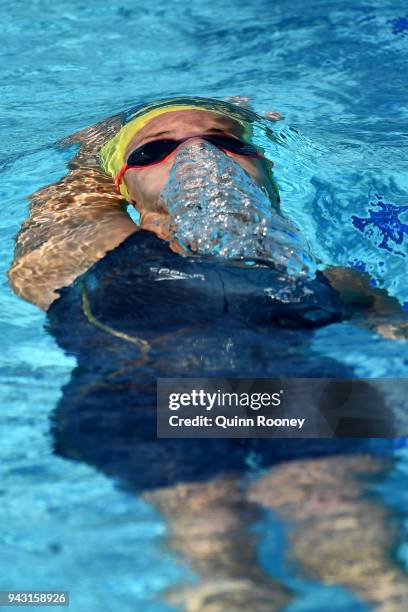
(373, 307)
(72, 224)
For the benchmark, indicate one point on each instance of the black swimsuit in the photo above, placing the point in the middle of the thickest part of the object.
(144, 285)
(200, 318)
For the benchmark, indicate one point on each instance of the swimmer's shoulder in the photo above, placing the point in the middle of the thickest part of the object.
(357, 292)
(369, 307)
(84, 203)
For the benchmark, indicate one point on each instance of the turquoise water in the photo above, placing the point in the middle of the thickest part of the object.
(337, 72)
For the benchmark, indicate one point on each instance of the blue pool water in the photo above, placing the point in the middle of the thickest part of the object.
(337, 72)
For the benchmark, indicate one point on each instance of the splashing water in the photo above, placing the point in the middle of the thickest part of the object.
(217, 210)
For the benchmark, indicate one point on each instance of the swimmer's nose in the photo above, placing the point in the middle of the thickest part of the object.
(191, 140)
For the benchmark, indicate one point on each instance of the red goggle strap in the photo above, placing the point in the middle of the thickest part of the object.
(120, 175)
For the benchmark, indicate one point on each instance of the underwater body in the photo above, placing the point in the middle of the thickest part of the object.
(323, 524)
(144, 312)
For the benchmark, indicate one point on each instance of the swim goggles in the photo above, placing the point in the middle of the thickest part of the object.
(157, 151)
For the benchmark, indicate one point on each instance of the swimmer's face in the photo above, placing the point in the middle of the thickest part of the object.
(145, 184)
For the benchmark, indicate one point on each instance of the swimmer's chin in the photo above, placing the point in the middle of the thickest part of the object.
(156, 222)
(159, 223)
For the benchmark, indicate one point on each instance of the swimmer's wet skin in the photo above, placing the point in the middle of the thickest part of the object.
(75, 222)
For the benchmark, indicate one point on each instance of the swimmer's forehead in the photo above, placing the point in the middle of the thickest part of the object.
(177, 124)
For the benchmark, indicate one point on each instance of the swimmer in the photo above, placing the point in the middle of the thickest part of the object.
(131, 159)
(104, 417)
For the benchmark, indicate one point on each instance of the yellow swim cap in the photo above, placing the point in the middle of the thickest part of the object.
(113, 152)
